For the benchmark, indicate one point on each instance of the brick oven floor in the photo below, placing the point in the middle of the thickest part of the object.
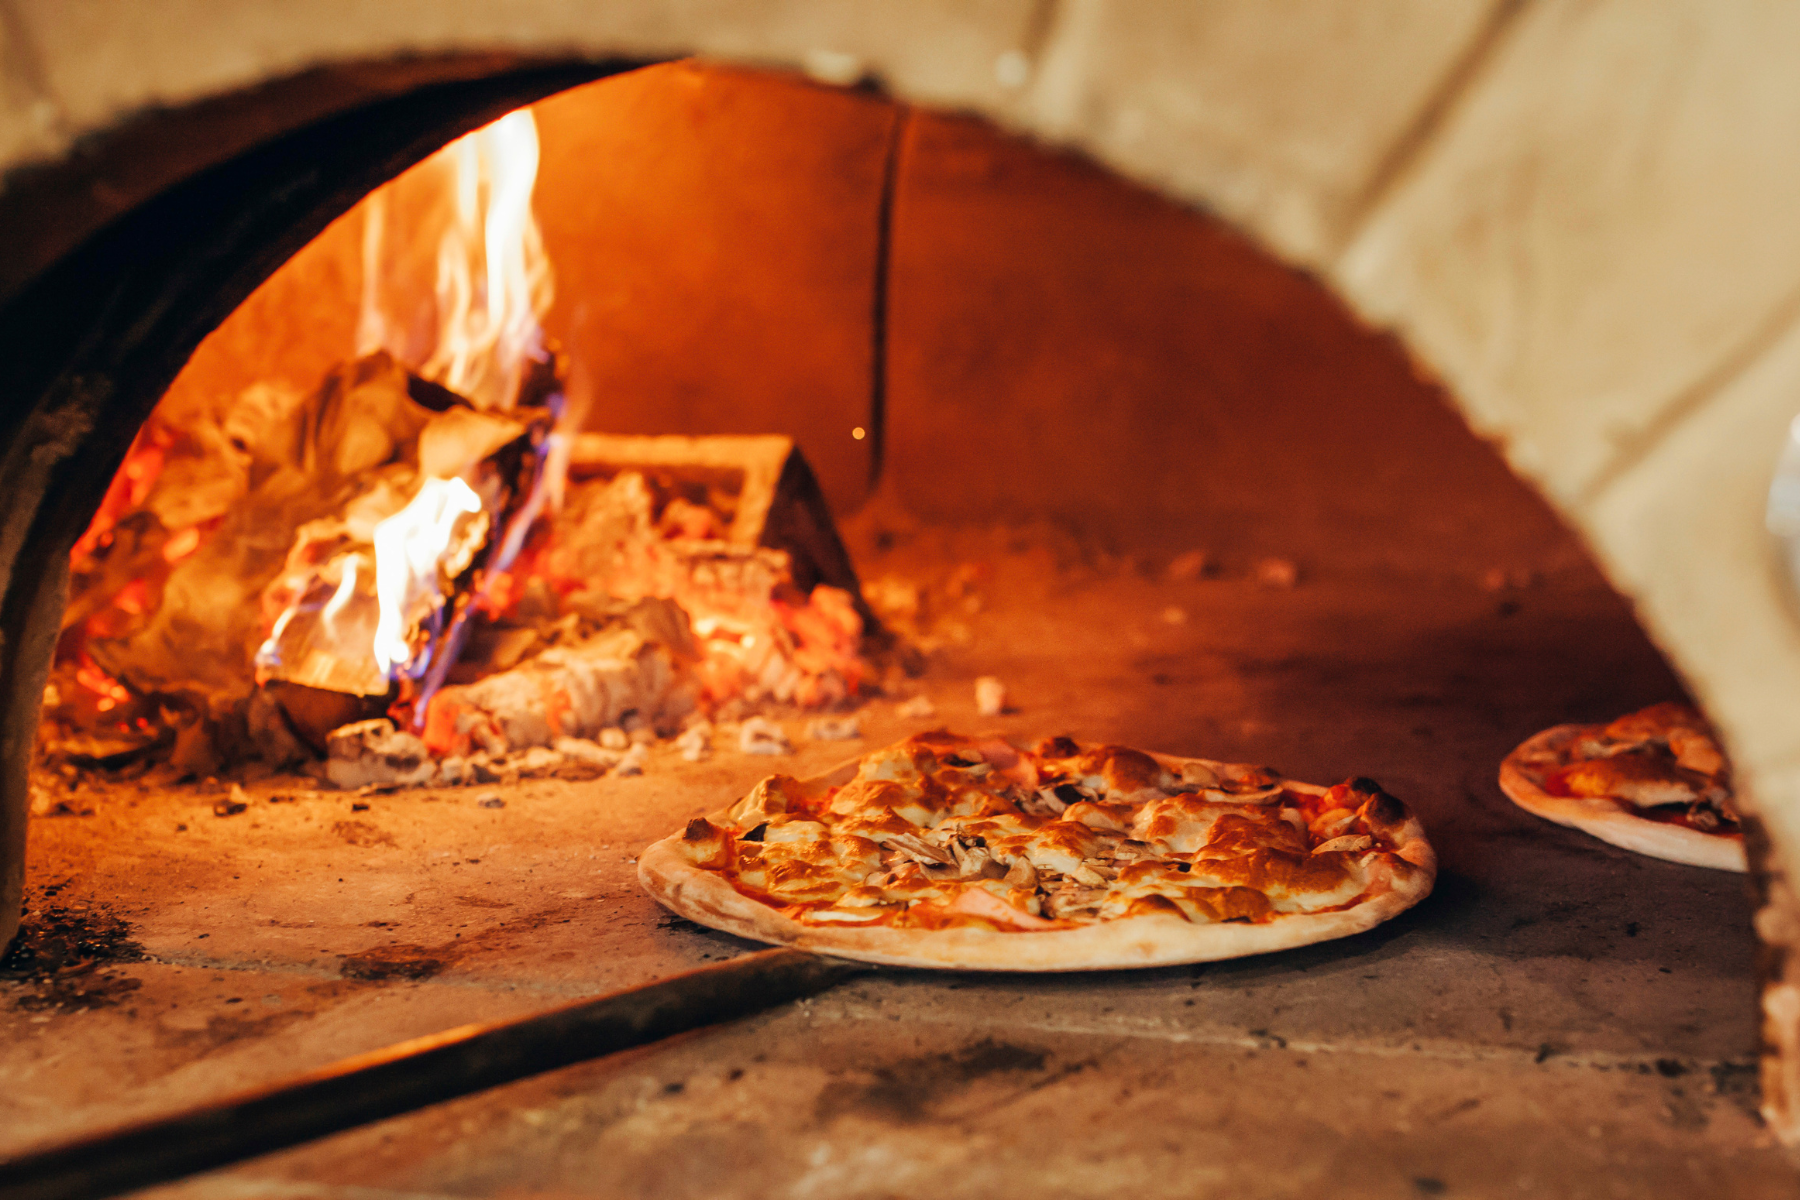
(1560, 1018)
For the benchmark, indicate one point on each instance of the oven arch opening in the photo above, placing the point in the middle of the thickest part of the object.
(947, 131)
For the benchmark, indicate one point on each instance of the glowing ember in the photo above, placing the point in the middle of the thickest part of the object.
(181, 544)
(411, 551)
(110, 691)
(129, 489)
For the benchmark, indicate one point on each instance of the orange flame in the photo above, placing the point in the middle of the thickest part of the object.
(493, 279)
(410, 550)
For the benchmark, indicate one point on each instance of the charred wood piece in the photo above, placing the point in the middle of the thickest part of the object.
(779, 504)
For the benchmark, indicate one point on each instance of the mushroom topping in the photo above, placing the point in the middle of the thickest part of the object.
(1130, 851)
(916, 848)
(973, 861)
(1067, 902)
(1196, 775)
(1721, 799)
(1245, 795)
(1021, 873)
(1093, 873)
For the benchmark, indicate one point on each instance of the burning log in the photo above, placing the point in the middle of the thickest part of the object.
(735, 531)
(362, 593)
(587, 625)
(775, 501)
(176, 608)
(222, 520)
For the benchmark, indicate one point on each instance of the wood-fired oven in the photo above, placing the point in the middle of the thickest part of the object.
(1134, 361)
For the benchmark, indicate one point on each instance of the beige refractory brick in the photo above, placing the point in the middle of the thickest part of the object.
(955, 53)
(103, 59)
(1276, 116)
(1608, 215)
(31, 124)
(1683, 533)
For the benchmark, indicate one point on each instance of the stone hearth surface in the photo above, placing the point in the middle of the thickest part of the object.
(1559, 1018)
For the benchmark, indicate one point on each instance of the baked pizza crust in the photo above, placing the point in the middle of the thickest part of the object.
(1145, 941)
(1609, 820)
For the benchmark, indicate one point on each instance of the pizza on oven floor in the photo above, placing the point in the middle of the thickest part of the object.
(957, 852)
(1655, 782)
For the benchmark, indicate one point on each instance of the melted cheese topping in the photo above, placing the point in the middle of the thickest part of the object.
(1634, 778)
(1661, 761)
(941, 831)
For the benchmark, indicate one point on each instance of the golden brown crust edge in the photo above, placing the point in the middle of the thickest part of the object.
(1609, 821)
(1152, 941)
